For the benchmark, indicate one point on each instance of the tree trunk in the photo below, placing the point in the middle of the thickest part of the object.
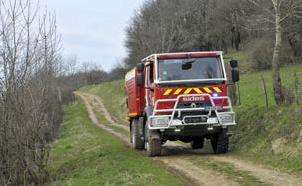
(279, 97)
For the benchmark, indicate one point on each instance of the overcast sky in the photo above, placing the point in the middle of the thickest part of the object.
(94, 30)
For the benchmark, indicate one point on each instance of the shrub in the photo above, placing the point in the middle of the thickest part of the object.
(261, 55)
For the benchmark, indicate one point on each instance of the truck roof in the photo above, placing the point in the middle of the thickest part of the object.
(182, 55)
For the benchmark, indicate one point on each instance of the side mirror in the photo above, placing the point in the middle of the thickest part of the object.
(235, 75)
(140, 67)
(234, 63)
(235, 71)
(140, 80)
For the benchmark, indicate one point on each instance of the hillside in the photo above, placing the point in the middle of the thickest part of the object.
(272, 136)
(87, 155)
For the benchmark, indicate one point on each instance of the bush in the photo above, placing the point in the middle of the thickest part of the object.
(262, 54)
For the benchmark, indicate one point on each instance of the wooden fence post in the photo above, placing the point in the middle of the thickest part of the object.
(231, 85)
(296, 91)
(265, 91)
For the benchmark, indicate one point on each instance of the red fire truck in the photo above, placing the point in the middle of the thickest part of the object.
(180, 96)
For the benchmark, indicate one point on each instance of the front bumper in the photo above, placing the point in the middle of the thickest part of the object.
(213, 118)
(190, 131)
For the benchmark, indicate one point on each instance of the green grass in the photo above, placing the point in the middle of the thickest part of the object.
(251, 86)
(243, 58)
(87, 155)
(228, 170)
(104, 121)
(259, 130)
(113, 95)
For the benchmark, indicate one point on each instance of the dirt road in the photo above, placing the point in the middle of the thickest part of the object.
(176, 156)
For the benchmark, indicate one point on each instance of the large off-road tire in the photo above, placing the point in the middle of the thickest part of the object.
(153, 143)
(136, 134)
(154, 147)
(220, 142)
(197, 143)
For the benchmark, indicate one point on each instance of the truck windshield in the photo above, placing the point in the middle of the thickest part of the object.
(190, 69)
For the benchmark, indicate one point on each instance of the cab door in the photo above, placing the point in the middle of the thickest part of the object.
(149, 83)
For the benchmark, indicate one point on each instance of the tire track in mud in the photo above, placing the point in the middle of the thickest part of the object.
(182, 169)
(95, 121)
(264, 174)
(174, 155)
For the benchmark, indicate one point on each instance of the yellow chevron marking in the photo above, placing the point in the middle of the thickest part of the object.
(197, 90)
(168, 92)
(207, 90)
(178, 91)
(217, 89)
(188, 91)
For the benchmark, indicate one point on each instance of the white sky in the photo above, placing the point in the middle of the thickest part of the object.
(93, 30)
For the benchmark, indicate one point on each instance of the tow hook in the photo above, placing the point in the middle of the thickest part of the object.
(178, 129)
(210, 128)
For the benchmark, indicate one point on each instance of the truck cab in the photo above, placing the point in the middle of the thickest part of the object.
(180, 96)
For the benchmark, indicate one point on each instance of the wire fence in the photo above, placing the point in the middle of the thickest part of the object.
(258, 91)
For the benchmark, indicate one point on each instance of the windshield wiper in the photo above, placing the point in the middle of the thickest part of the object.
(189, 62)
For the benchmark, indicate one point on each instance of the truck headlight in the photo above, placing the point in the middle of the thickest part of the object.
(226, 118)
(159, 122)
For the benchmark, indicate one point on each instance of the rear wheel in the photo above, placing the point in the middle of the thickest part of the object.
(136, 134)
(197, 143)
(220, 142)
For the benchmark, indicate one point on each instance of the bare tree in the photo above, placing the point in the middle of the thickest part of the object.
(276, 12)
(29, 104)
(174, 25)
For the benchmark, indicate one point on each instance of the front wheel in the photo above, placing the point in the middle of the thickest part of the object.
(153, 143)
(220, 142)
(154, 147)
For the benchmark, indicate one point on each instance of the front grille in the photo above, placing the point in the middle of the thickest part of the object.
(203, 113)
(195, 105)
(193, 113)
(196, 119)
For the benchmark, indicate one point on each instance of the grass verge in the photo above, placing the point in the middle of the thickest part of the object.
(87, 155)
(272, 137)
